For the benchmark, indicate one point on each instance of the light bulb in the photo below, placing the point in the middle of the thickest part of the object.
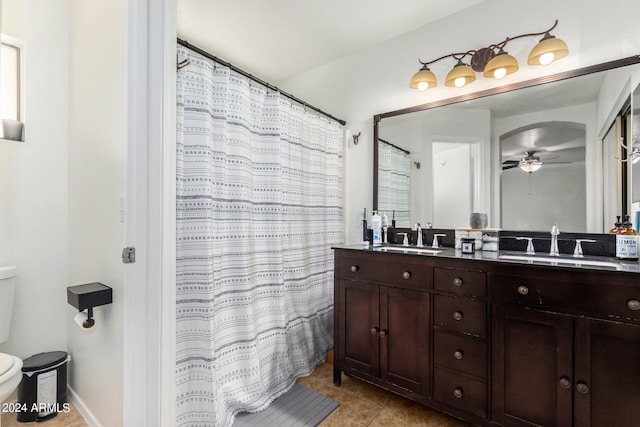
(500, 73)
(460, 81)
(423, 86)
(546, 58)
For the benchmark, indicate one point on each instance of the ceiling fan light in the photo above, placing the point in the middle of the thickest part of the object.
(423, 79)
(460, 75)
(548, 50)
(530, 164)
(500, 66)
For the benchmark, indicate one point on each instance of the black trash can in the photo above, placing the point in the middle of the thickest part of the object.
(43, 390)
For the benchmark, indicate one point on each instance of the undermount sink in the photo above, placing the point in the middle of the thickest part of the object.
(561, 260)
(407, 249)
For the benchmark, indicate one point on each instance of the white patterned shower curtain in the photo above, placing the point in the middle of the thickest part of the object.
(394, 182)
(259, 205)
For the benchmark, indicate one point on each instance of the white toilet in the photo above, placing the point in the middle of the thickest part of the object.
(10, 366)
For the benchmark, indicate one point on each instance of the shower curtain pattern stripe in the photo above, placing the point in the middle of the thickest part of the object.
(259, 205)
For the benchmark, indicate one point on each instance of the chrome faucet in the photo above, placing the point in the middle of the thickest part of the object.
(530, 249)
(435, 243)
(577, 251)
(419, 239)
(553, 251)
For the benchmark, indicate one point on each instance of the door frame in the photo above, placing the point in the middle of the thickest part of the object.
(149, 300)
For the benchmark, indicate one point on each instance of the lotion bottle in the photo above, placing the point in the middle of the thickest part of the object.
(376, 226)
(627, 242)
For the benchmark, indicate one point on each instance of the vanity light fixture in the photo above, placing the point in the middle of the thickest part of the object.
(492, 61)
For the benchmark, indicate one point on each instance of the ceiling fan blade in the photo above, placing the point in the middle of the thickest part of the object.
(510, 166)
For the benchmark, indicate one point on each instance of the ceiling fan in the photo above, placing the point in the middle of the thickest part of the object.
(529, 163)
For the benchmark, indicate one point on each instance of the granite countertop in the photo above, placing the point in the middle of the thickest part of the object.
(512, 257)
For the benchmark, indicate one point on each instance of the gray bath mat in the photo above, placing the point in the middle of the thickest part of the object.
(299, 407)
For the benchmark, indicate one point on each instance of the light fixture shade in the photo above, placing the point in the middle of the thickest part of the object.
(530, 164)
(423, 79)
(460, 75)
(548, 50)
(501, 65)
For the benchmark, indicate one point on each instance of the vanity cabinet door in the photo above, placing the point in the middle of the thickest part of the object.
(383, 332)
(532, 368)
(607, 374)
(359, 327)
(404, 338)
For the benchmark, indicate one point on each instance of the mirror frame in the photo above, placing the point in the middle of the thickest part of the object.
(631, 60)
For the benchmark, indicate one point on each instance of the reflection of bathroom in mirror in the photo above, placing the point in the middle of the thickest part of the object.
(543, 177)
(558, 124)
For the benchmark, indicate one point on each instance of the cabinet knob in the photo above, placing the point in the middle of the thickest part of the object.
(383, 333)
(457, 315)
(523, 290)
(582, 388)
(457, 282)
(406, 274)
(565, 383)
(374, 331)
(354, 268)
(633, 304)
(458, 354)
(458, 393)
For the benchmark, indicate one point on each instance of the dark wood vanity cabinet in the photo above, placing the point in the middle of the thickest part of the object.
(382, 331)
(494, 344)
(555, 367)
(460, 340)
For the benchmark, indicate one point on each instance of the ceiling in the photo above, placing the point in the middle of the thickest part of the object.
(278, 39)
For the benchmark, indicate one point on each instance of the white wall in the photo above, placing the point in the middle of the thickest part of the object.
(96, 184)
(374, 81)
(61, 189)
(33, 181)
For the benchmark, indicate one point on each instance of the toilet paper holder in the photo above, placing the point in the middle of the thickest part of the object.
(88, 296)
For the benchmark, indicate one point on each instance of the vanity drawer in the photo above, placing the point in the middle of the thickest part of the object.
(461, 315)
(591, 297)
(460, 392)
(460, 281)
(463, 354)
(374, 269)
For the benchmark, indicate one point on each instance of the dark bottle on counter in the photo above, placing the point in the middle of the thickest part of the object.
(627, 241)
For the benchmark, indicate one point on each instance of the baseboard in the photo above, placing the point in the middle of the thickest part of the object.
(82, 409)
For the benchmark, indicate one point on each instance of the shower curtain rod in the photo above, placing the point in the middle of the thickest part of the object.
(255, 79)
(394, 146)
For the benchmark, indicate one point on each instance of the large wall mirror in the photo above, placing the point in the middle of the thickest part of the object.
(528, 154)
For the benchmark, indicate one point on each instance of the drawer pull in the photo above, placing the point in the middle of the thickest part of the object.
(406, 274)
(565, 383)
(457, 282)
(354, 268)
(457, 315)
(582, 388)
(458, 354)
(633, 304)
(523, 290)
(374, 331)
(458, 393)
(383, 333)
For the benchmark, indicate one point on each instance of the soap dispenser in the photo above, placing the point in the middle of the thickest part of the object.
(617, 225)
(627, 242)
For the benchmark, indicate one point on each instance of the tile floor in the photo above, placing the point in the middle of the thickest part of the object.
(69, 419)
(361, 404)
